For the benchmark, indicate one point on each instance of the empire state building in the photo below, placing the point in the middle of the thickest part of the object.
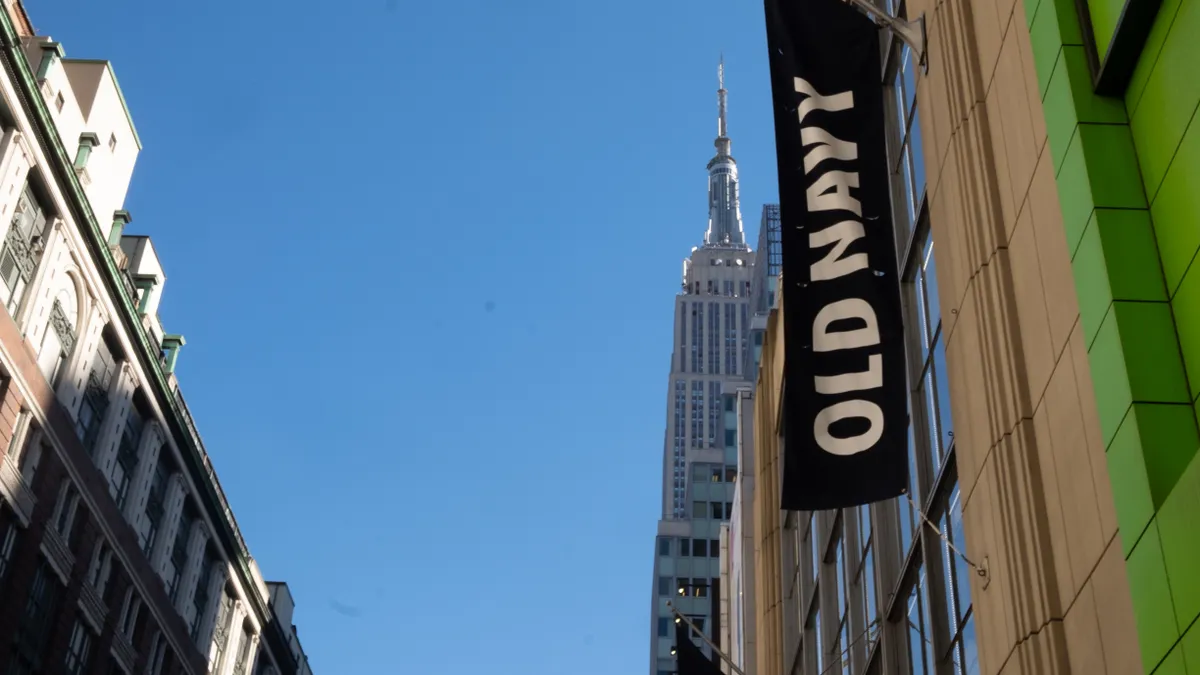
(709, 358)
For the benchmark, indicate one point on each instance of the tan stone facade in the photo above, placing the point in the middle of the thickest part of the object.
(1032, 466)
(1028, 455)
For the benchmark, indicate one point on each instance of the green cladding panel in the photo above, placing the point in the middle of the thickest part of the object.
(1120, 94)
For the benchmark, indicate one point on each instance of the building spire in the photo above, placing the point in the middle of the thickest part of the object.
(722, 141)
(724, 212)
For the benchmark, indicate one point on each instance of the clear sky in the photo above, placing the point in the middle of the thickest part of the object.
(424, 255)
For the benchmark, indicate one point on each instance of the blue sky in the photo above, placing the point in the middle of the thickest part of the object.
(424, 256)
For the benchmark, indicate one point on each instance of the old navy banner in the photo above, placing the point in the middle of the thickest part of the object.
(845, 413)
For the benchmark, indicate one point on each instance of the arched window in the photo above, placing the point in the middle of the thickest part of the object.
(58, 341)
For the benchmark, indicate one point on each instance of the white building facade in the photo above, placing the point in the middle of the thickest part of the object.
(102, 461)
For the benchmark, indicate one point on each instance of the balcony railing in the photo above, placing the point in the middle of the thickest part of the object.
(58, 554)
(17, 489)
(155, 343)
(93, 606)
(182, 409)
(123, 650)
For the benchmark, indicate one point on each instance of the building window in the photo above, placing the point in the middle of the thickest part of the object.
(864, 574)
(714, 548)
(697, 413)
(714, 411)
(745, 343)
(717, 511)
(129, 613)
(8, 541)
(814, 544)
(664, 586)
(664, 626)
(664, 546)
(155, 506)
(699, 548)
(179, 553)
(714, 338)
(100, 570)
(201, 599)
(812, 636)
(908, 160)
(958, 590)
(123, 468)
(731, 335)
(730, 474)
(33, 629)
(157, 656)
(79, 649)
(683, 336)
(221, 631)
(31, 456)
(22, 249)
(95, 397)
(243, 655)
(697, 336)
(64, 512)
(699, 509)
(933, 389)
(685, 547)
(843, 637)
(58, 342)
(679, 503)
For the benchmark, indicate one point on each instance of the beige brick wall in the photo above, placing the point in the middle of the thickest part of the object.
(1038, 505)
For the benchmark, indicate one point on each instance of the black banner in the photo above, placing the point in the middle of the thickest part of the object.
(845, 413)
(689, 660)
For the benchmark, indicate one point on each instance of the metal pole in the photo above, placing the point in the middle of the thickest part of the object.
(715, 588)
(679, 615)
(912, 32)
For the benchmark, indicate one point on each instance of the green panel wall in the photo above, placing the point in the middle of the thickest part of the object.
(1128, 176)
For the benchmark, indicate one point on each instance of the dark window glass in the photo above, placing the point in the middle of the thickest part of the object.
(664, 585)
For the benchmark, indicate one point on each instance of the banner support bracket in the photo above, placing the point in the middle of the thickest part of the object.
(679, 616)
(910, 31)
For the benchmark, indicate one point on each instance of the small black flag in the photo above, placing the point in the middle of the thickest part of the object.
(689, 660)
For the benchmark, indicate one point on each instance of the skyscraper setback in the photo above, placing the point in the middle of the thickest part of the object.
(709, 357)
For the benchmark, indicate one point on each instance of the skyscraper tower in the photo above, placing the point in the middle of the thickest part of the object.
(711, 341)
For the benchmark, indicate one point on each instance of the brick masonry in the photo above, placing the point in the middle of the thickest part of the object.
(51, 472)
